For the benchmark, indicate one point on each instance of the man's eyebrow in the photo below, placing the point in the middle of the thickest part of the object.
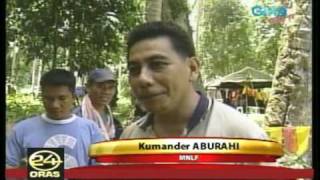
(154, 57)
(150, 58)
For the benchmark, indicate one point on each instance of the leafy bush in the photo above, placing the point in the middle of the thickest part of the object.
(20, 106)
(125, 109)
(293, 161)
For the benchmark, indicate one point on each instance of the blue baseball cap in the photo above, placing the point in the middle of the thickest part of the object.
(101, 75)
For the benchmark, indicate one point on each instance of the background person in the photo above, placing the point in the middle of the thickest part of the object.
(100, 88)
(57, 127)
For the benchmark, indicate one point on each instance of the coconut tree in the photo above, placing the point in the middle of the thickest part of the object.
(291, 90)
(290, 100)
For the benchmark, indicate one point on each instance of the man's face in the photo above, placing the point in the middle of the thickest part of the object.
(158, 75)
(57, 101)
(101, 93)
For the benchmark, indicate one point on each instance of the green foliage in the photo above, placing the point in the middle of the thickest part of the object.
(266, 42)
(20, 106)
(125, 109)
(23, 78)
(179, 6)
(231, 38)
(293, 161)
(225, 40)
(79, 34)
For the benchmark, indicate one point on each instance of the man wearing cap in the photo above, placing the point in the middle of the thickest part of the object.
(100, 87)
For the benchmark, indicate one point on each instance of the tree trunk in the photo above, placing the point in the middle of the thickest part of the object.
(290, 100)
(13, 71)
(119, 76)
(153, 10)
(40, 69)
(55, 47)
(199, 7)
(33, 78)
(179, 16)
(177, 11)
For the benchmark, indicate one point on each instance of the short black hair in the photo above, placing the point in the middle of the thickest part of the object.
(58, 77)
(180, 39)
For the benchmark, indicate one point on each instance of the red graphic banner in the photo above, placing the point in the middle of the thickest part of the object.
(177, 171)
(151, 158)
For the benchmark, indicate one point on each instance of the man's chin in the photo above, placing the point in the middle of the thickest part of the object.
(154, 108)
(58, 117)
(155, 104)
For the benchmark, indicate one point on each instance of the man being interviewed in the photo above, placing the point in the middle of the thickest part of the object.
(162, 69)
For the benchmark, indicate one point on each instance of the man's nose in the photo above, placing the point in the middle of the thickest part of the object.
(146, 77)
(55, 103)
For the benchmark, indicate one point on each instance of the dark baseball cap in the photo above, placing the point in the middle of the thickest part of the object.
(101, 75)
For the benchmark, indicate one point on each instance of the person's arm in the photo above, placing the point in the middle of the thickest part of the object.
(11, 167)
(14, 150)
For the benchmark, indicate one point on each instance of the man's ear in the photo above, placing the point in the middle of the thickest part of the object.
(194, 67)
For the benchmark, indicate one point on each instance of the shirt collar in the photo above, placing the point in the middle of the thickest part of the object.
(62, 121)
(196, 117)
(199, 112)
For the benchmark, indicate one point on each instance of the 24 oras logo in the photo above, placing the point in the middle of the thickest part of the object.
(45, 160)
(45, 163)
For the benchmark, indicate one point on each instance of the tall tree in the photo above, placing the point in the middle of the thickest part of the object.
(176, 11)
(153, 10)
(291, 89)
(224, 42)
(79, 34)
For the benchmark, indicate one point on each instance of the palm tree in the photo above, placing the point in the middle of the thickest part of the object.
(153, 10)
(290, 100)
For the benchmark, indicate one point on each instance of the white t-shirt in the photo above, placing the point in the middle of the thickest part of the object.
(218, 120)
